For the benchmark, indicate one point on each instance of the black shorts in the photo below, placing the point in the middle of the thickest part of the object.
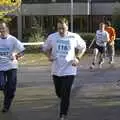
(101, 49)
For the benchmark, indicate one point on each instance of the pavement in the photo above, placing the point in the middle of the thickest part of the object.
(95, 94)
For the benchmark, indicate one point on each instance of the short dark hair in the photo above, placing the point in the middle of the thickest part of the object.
(62, 20)
(102, 23)
(108, 23)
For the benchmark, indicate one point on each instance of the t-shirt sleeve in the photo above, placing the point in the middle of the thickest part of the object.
(81, 44)
(18, 46)
(47, 45)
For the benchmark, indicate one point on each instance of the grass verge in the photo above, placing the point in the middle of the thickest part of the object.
(36, 59)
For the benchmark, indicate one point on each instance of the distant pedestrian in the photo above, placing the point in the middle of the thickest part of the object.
(111, 42)
(101, 39)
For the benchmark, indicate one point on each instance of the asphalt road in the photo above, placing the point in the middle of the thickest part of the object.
(95, 94)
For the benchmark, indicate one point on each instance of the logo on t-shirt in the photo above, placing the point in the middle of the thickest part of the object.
(4, 55)
(4, 51)
(63, 46)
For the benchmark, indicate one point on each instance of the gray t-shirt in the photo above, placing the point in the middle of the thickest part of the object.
(101, 38)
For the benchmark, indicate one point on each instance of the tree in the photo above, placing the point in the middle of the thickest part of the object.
(8, 6)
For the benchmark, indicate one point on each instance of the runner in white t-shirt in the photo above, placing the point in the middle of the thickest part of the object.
(61, 47)
(101, 39)
(9, 45)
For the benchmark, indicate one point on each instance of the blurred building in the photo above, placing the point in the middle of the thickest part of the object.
(87, 14)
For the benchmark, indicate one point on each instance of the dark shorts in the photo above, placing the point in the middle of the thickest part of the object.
(101, 49)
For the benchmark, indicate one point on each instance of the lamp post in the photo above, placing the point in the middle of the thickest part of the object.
(71, 16)
(88, 7)
(88, 13)
(53, 1)
(52, 18)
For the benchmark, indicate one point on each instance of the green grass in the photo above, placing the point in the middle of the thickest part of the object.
(36, 59)
(30, 59)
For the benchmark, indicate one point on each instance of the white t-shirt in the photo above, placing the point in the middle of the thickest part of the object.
(8, 47)
(101, 38)
(63, 51)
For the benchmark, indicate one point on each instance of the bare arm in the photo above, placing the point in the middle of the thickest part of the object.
(47, 48)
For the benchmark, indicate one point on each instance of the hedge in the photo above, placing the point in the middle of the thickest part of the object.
(88, 37)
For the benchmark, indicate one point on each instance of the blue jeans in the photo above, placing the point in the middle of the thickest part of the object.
(9, 81)
(2, 80)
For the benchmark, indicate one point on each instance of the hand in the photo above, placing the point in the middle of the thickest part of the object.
(51, 58)
(17, 56)
(75, 62)
(111, 43)
(13, 57)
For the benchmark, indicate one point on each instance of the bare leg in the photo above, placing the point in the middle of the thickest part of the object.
(95, 55)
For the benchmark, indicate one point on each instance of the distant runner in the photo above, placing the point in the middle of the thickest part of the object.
(111, 42)
(101, 39)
